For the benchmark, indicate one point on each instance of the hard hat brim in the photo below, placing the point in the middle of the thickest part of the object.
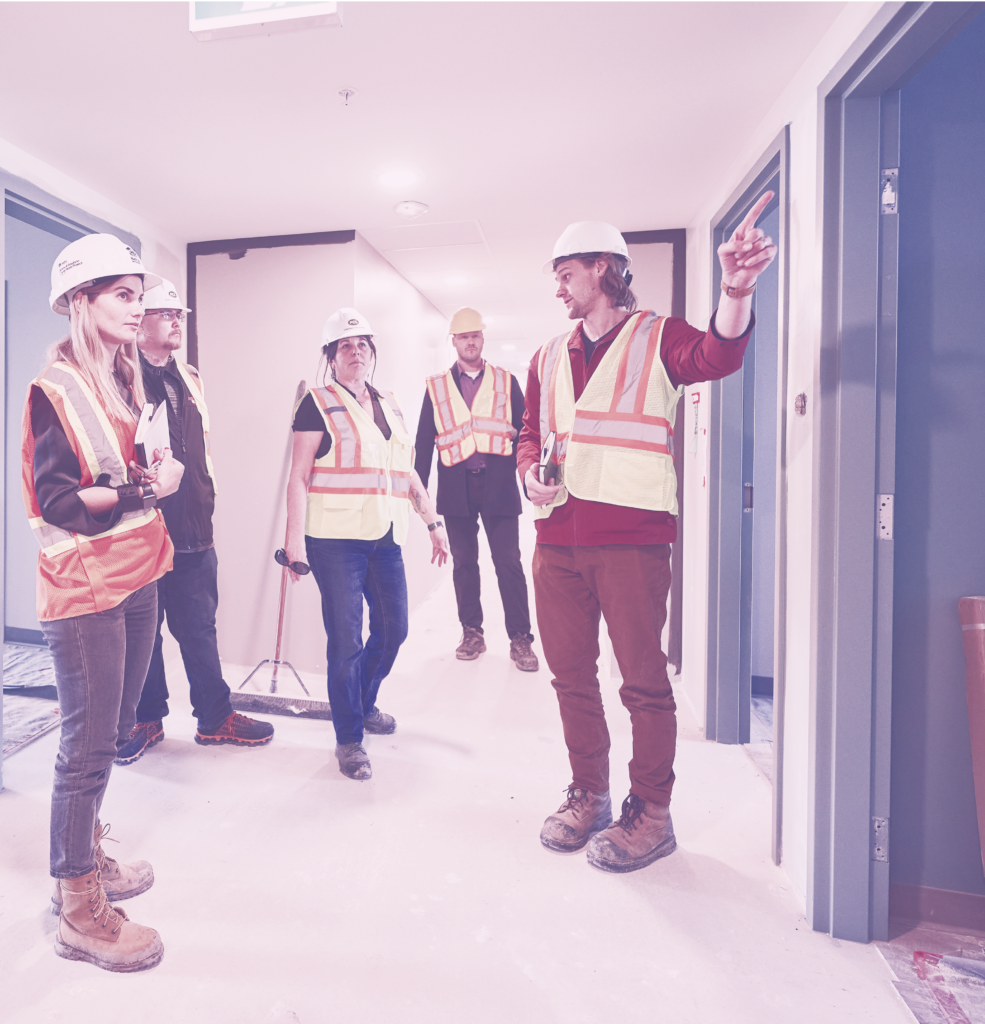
(61, 304)
(548, 267)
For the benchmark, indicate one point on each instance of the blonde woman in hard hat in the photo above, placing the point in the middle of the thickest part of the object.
(103, 548)
(604, 396)
(472, 413)
(349, 494)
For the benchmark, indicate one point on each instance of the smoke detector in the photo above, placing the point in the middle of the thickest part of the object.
(410, 208)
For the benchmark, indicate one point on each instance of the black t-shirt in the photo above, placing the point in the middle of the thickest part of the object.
(308, 417)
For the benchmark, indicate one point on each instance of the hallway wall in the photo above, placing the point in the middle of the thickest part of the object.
(797, 106)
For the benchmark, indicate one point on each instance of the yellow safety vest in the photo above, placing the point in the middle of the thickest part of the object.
(196, 387)
(616, 443)
(363, 484)
(486, 427)
(78, 574)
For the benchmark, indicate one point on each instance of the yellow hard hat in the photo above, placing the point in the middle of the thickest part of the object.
(465, 320)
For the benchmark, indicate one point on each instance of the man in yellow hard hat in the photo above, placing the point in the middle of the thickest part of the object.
(473, 412)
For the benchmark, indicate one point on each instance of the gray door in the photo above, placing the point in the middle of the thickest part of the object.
(32, 240)
(939, 543)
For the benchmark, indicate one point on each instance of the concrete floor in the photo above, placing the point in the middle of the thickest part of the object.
(287, 893)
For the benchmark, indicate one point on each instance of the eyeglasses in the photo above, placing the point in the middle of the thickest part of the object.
(166, 314)
(301, 568)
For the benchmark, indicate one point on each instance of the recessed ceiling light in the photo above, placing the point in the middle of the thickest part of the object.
(410, 208)
(508, 348)
(398, 178)
(456, 279)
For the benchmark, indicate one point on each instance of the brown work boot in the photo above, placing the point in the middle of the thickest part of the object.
(120, 881)
(472, 645)
(90, 929)
(577, 820)
(642, 835)
(522, 654)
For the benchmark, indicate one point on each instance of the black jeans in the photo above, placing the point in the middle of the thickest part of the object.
(190, 595)
(503, 534)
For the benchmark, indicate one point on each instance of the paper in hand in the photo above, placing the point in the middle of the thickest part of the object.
(548, 459)
(152, 433)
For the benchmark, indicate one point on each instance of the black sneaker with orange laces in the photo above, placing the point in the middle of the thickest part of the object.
(238, 729)
(142, 737)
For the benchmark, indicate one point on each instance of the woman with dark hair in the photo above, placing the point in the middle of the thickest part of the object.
(103, 548)
(349, 494)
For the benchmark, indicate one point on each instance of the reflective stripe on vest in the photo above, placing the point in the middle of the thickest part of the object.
(196, 386)
(626, 408)
(486, 427)
(99, 446)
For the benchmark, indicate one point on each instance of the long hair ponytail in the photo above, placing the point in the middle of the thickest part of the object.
(82, 350)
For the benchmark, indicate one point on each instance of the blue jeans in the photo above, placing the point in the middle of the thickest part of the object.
(189, 593)
(346, 571)
(100, 664)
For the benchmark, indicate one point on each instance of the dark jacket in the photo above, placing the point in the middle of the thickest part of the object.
(187, 512)
(502, 496)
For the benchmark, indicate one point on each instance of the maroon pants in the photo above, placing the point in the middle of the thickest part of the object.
(628, 585)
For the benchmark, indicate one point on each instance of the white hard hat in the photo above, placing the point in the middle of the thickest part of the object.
(465, 320)
(588, 236)
(345, 323)
(163, 296)
(86, 260)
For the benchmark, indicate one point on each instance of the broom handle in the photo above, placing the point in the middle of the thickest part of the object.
(283, 584)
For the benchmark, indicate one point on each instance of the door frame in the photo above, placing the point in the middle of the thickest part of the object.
(33, 199)
(726, 713)
(853, 458)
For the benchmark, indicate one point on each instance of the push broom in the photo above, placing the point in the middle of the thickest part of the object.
(273, 703)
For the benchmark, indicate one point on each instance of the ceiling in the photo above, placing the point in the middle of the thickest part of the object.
(508, 119)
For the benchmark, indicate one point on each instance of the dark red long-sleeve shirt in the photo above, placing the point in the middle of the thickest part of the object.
(690, 356)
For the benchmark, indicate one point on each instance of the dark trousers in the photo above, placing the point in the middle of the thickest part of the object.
(189, 594)
(628, 585)
(347, 571)
(100, 662)
(503, 534)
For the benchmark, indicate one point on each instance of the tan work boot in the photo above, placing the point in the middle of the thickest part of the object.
(522, 653)
(472, 645)
(120, 881)
(577, 820)
(643, 834)
(90, 929)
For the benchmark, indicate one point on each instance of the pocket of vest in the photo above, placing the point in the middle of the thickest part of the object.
(624, 481)
(343, 501)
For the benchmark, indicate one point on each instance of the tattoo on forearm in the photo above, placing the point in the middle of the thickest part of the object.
(417, 501)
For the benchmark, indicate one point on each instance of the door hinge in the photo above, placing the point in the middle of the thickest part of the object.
(880, 839)
(889, 190)
(747, 497)
(884, 517)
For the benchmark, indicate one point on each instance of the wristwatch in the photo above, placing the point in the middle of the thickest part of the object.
(435, 525)
(136, 497)
(738, 293)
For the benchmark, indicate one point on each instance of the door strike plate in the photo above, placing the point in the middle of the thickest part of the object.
(884, 517)
(880, 839)
(889, 190)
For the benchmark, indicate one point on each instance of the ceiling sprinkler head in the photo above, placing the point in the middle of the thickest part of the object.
(410, 208)
(347, 94)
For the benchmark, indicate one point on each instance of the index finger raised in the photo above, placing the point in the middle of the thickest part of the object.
(753, 215)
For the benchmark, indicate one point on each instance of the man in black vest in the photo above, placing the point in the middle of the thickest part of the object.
(189, 593)
(477, 477)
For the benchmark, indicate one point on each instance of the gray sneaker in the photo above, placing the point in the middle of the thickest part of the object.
(353, 761)
(472, 645)
(378, 722)
(576, 820)
(522, 653)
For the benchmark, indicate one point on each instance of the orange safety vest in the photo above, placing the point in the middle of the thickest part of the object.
(615, 444)
(486, 427)
(363, 484)
(79, 575)
(195, 384)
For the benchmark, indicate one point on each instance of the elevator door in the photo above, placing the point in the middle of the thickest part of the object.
(31, 243)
